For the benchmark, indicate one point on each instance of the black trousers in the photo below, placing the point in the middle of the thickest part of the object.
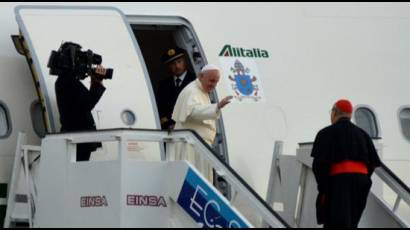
(84, 152)
(346, 200)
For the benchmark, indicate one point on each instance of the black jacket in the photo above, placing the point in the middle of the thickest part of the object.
(75, 103)
(167, 96)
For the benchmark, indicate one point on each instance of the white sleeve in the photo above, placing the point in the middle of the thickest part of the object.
(205, 112)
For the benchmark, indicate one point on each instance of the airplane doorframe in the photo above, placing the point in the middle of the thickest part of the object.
(220, 145)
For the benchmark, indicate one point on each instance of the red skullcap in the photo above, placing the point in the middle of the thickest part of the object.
(344, 106)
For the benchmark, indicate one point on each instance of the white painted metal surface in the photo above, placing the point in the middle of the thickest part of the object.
(104, 31)
(318, 70)
(22, 185)
(104, 193)
(319, 52)
(301, 205)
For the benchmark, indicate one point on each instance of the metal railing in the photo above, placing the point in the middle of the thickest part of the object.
(401, 190)
(386, 178)
(22, 165)
(254, 201)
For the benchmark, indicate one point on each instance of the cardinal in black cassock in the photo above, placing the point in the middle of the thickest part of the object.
(344, 160)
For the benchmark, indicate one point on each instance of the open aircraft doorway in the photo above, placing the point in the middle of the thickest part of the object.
(156, 35)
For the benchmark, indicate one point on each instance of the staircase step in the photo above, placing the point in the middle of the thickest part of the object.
(19, 224)
(20, 212)
(21, 198)
(19, 220)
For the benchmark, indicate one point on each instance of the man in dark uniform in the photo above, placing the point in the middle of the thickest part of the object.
(75, 103)
(344, 160)
(169, 88)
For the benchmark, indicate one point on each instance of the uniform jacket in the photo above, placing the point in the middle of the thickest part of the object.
(167, 95)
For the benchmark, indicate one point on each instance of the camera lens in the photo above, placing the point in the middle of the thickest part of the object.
(97, 59)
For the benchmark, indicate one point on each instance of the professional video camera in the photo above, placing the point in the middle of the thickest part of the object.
(69, 59)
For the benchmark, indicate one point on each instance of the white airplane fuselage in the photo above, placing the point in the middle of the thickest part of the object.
(306, 55)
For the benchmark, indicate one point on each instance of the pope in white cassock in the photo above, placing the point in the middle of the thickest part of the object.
(193, 110)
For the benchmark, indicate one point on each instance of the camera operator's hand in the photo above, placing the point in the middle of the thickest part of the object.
(98, 70)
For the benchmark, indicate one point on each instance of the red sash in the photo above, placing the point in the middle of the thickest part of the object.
(348, 167)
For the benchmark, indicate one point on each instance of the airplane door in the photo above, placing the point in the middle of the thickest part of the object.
(128, 101)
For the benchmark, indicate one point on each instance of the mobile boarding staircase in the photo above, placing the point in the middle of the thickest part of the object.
(59, 192)
(292, 192)
(123, 192)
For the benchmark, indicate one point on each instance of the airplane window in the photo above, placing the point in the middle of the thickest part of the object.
(37, 119)
(128, 117)
(404, 117)
(5, 126)
(366, 120)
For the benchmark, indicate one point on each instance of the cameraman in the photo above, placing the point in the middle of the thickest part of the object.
(75, 103)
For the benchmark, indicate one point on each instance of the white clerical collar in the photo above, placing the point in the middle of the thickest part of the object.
(182, 77)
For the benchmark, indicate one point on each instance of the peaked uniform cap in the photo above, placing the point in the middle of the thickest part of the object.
(172, 54)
